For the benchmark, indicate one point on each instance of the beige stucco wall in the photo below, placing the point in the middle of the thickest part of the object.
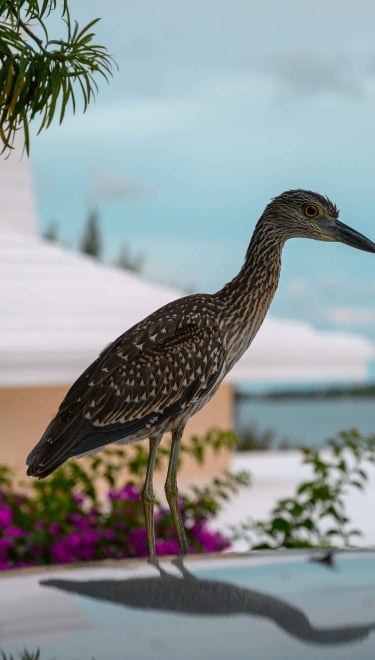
(26, 411)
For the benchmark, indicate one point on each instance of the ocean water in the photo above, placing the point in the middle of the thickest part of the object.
(308, 422)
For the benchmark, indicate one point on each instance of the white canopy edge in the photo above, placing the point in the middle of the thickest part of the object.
(288, 351)
(59, 309)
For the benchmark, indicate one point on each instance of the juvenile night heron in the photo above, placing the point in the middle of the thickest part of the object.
(165, 368)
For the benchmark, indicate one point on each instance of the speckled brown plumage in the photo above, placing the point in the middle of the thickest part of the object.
(153, 375)
(160, 372)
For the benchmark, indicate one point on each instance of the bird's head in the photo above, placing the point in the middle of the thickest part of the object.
(305, 214)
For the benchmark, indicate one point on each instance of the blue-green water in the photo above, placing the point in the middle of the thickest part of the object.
(306, 421)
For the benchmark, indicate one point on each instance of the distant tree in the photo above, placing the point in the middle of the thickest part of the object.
(42, 76)
(91, 241)
(51, 233)
(128, 261)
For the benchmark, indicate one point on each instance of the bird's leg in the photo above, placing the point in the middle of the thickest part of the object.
(179, 563)
(171, 490)
(153, 561)
(148, 497)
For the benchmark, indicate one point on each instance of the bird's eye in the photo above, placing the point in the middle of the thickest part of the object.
(310, 211)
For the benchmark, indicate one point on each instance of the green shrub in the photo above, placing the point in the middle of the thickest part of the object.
(63, 519)
(250, 438)
(316, 516)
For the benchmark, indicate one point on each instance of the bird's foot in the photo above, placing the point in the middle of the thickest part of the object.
(154, 561)
(179, 563)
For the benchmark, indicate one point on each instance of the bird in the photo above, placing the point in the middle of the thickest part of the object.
(161, 371)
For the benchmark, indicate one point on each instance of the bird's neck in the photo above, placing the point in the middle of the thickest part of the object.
(245, 300)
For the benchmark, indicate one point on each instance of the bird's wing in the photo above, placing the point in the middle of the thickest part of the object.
(150, 374)
(145, 376)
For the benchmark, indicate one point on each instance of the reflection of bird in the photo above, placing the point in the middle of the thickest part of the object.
(327, 559)
(160, 372)
(197, 596)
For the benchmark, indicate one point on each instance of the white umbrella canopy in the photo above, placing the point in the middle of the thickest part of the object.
(294, 351)
(58, 310)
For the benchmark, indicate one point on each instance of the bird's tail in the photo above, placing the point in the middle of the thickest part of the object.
(54, 447)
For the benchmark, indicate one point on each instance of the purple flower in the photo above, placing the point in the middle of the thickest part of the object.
(161, 513)
(210, 541)
(78, 498)
(14, 531)
(60, 554)
(79, 520)
(90, 537)
(120, 524)
(85, 554)
(128, 492)
(72, 541)
(83, 531)
(36, 551)
(169, 547)
(137, 540)
(109, 534)
(5, 543)
(6, 516)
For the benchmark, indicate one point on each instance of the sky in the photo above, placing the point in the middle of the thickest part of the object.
(218, 106)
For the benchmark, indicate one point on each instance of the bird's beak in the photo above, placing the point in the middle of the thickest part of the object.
(344, 234)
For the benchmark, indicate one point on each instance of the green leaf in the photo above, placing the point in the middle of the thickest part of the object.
(357, 484)
(35, 75)
(280, 525)
(342, 466)
(305, 487)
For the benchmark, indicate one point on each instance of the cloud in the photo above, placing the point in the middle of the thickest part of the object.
(115, 187)
(335, 286)
(352, 315)
(311, 73)
(225, 104)
(332, 300)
